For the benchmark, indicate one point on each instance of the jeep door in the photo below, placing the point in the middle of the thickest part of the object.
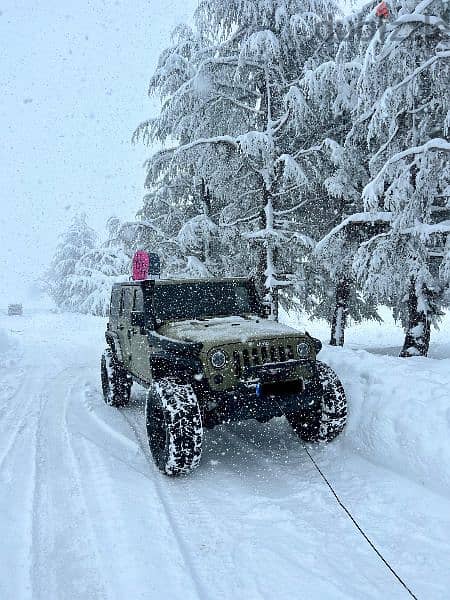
(124, 325)
(139, 341)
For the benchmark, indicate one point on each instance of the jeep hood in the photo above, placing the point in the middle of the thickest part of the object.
(225, 330)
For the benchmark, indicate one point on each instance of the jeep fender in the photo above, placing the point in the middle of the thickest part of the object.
(164, 362)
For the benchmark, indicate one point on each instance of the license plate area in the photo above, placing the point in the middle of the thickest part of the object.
(279, 388)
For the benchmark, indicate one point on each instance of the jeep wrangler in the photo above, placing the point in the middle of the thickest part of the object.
(208, 354)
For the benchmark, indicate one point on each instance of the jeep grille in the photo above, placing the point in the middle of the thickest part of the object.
(261, 355)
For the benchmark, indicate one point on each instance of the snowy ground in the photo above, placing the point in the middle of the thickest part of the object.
(84, 514)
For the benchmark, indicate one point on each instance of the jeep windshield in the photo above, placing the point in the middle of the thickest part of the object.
(198, 300)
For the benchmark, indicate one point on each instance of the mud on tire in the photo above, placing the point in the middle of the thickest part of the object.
(329, 420)
(116, 383)
(174, 426)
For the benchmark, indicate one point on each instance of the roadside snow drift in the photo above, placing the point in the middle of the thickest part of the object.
(399, 412)
(399, 408)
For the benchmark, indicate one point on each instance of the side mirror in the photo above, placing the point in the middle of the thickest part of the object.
(137, 319)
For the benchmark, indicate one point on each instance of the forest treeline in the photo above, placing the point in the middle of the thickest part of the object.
(299, 146)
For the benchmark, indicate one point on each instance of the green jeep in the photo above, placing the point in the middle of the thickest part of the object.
(208, 354)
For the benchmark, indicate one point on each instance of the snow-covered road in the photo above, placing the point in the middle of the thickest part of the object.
(84, 513)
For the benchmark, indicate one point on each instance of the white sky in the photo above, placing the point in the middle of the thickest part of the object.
(73, 79)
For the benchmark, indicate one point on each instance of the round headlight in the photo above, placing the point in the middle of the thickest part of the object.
(218, 359)
(303, 350)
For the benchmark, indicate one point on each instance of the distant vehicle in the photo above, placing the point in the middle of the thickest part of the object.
(15, 309)
(208, 354)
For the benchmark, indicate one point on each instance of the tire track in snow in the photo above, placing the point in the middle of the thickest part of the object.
(135, 573)
(197, 517)
(17, 479)
(63, 563)
(186, 511)
(233, 555)
(5, 375)
(97, 543)
(177, 529)
(15, 421)
(17, 474)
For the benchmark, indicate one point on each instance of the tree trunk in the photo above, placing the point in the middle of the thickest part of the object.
(266, 256)
(267, 259)
(340, 312)
(205, 199)
(417, 338)
(261, 257)
(274, 303)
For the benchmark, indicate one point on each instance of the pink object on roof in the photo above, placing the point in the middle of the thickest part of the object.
(141, 263)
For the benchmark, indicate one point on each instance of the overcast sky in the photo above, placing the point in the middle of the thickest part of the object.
(74, 78)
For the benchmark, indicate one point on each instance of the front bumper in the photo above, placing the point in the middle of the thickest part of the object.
(260, 401)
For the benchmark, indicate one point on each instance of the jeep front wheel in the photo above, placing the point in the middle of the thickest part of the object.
(327, 422)
(116, 383)
(174, 426)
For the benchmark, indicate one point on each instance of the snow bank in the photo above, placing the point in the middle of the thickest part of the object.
(399, 412)
(399, 409)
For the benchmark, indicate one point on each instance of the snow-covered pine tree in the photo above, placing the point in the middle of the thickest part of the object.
(233, 103)
(404, 112)
(77, 241)
(178, 210)
(98, 269)
(336, 252)
(331, 90)
(285, 144)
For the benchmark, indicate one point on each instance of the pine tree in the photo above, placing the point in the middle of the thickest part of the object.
(76, 242)
(391, 74)
(332, 88)
(403, 108)
(232, 100)
(98, 269)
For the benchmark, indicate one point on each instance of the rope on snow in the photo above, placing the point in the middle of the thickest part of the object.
(358, 526)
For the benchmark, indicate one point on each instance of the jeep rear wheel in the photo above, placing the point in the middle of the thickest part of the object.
(116, 382)
(326, 423)
(174, 426)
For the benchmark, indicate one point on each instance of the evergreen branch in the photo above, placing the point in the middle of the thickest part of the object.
(237, 103)
(243, 220)
(220, 139)
(385, 145)
(357, 218)
(280, 213)
(310, 150)
(437, 144)
(422, 19)
(411, 76)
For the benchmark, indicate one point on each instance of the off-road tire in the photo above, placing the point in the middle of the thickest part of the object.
(116, 382)
(174, 426)
(328, 421)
